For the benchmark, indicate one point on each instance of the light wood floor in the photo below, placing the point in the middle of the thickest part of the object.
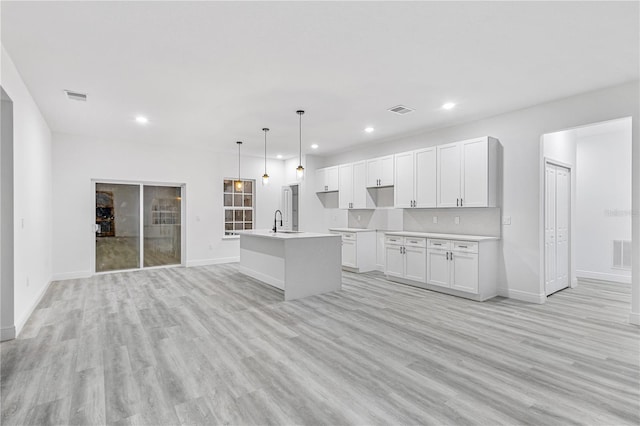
(210, 346)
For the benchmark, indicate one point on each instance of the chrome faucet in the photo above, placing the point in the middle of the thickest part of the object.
(275, 220)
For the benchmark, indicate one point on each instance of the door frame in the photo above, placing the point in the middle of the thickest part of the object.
(570, 273)
(141, 184)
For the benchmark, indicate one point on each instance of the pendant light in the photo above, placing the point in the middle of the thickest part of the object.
(265, 176)
(239, 181)
(300, 169)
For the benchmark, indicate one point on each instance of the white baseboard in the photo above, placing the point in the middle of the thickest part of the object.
(206, 262)
(634, 318)
(7, 333)
(604, 276)
(71, 275)
(523, 296)
(22, 321)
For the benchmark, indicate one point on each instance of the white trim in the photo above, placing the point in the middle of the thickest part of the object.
(71, 275)
(7, 333)
(634, 318)
(217, 261)
(625, 279)
(523, 296)
(22, 321)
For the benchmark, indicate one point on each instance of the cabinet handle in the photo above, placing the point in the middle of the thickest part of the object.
(457, 202)
(460, 202)
(463, 246)
(447, 255)
(450, 256)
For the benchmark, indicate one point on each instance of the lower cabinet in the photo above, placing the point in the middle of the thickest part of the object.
(358, 250)
(405, 258)
(462, 268)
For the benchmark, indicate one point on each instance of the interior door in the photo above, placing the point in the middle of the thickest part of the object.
(556, 227)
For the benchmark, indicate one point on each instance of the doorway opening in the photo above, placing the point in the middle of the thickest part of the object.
(137, 225)
(7, 326)
(598, 233)
(290, 203)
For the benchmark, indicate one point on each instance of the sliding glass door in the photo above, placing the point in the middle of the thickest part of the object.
(126, 212)
(117, 227)
(162, 225)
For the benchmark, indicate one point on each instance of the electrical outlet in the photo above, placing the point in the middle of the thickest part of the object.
(358, 217)
(435, 219)
(456, 220)
(506, 220)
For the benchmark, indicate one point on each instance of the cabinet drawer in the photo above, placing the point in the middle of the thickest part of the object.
(393, 240)
(439, 244)
(415, 242)
(465, 246)
(348, 236)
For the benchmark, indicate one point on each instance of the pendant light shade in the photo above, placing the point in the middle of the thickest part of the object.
(238, 183)
(265, 176)
(300, 169)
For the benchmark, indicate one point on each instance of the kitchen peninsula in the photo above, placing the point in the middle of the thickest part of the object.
(301, 264)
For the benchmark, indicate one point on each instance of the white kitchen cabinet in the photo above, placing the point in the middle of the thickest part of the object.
(406, 258)
(461, 268)
(327, 179)
(453, 264)
(467, 173)
(415, 179)
(380, 172)
(352, 189)
(358, 249)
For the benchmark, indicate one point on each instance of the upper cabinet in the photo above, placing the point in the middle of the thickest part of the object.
(467, 173)
(380, 172)
(352, 189)
(415, 179)
(327, 179)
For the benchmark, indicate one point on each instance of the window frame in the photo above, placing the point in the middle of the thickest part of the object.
(232, 208)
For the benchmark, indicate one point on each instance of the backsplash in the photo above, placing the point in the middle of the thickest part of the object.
(383, 219)
(472, 221)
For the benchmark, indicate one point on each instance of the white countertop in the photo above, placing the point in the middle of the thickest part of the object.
(282, 235)
(351, 230)
(442, 236)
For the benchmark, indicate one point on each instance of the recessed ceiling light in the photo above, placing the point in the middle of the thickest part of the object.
(369, 129)
(448, 105)
(142, 120)
(314, 146)
(279, 156)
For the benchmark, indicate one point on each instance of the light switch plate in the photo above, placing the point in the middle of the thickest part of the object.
(456, 220)
(506, 220)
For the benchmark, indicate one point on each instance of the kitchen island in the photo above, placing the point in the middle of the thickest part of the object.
(301, 264)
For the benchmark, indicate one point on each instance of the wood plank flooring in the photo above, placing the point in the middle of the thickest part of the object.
(208, 345)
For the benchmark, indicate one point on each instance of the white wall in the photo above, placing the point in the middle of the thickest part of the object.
(520, 134)
(77, 160)
(603, 201)
(7, 326)
(32, 195)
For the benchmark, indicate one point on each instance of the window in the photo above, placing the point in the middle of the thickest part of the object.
(239, 205)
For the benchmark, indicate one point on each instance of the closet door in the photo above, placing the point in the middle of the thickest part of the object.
(557, 211)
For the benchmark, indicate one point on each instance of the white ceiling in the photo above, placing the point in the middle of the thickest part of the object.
(210, 73)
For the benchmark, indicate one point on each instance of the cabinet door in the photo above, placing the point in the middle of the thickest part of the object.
(403, 191)
(394, 261)
(386, 171)
(373, 172)
(425, 177)
(415, 266)
(475, 173)
(437, 268)
(349, 253)
(331, 179)
(359, 185)
(321, 175)
(464, 272)
(448, 159)
(345, 186)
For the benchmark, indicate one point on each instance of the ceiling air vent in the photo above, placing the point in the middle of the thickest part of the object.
(75, 96)
(401, 109)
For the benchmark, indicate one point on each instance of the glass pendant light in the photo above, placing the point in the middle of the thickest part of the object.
(265, 176)
(300, 169)
(239, 181)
